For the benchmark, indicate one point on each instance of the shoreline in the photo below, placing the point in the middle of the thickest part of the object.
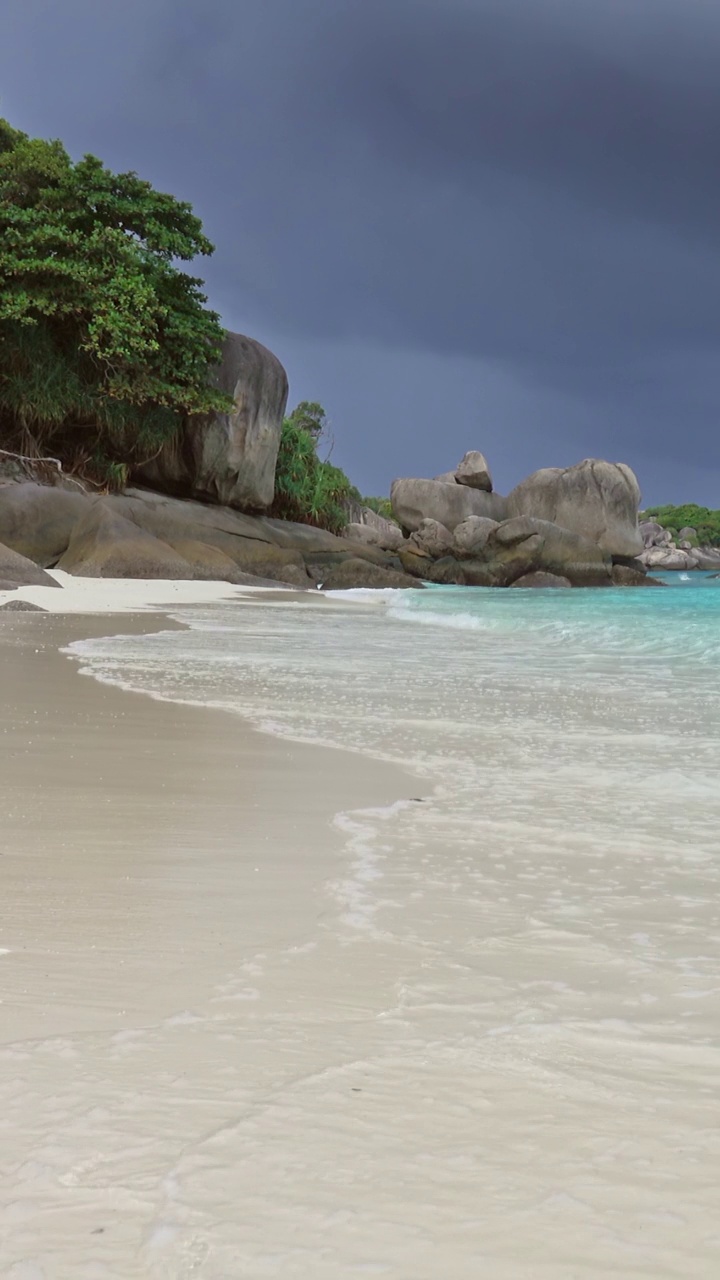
(165, 869)
(256, 1033)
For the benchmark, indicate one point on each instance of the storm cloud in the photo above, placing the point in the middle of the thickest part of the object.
(459, 223)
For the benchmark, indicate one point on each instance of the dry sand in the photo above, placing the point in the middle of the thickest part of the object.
(163, 875)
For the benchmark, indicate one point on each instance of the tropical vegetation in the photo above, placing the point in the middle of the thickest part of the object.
(307, 488)
(704, 520)
(105, 343)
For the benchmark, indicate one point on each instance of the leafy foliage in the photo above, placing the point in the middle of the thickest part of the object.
(705, 521)
(105, 345)
(306, 488)
(310, 416)
(381, 507)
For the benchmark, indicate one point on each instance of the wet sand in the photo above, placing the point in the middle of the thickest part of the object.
(163, 874)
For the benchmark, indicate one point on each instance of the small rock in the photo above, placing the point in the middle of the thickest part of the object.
(474, 472)
(21, 606)
(623, 575)
(542, 580)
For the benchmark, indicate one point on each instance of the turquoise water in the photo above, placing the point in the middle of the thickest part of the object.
(680, 620)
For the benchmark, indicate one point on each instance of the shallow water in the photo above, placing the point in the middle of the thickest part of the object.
(519, 1023)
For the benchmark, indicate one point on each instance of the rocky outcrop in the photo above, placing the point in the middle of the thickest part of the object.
(145, 534)
(229, 458)
(416, 500)
(17, 571)
(498, 554)
(352, 574)
(474, 472)
(668, 558)
(595, 499)
(662, 551)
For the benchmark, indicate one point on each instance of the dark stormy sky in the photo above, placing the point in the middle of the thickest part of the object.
(487, 224)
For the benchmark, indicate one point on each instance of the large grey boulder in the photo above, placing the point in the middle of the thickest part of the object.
(431, 539)
(18, 571)
(37, 521)
(471, 537)
(230, 458)
(596, 499)
(416, 500)
(386, 535)
(105, 545)
(707, 557)
(474, 472)
(687, 532)
(624, 575)
(652, 533)
(525, 545)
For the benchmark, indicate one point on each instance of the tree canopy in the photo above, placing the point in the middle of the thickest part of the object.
(703, 520)
(105, 344)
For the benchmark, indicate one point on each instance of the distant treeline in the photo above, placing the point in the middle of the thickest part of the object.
(703, 520)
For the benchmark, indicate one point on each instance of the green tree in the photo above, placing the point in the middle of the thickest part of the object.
(308, 489)
(105, 344)
(310, 416)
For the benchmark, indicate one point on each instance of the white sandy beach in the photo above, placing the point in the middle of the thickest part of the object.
(162, 873)
(243, 1038)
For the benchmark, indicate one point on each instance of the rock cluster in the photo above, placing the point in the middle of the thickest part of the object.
(573, 526)
(199, 515)
(141, 534)
(661, 550)
(454, 531)
(488, 553)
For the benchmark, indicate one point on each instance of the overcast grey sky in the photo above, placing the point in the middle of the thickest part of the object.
(460, 224)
